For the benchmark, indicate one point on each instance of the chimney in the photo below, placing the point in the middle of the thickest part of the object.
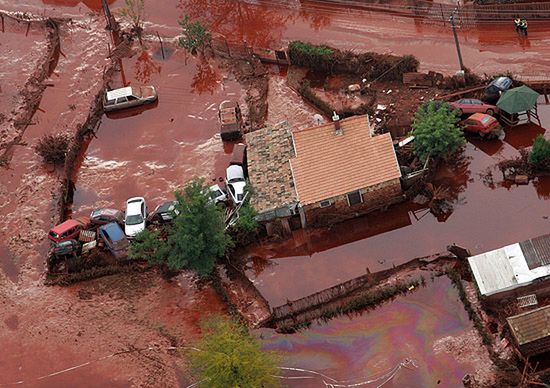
(336, 120)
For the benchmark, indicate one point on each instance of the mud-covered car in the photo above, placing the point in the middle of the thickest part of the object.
(65, 248)
(231, 120)
(164, 213)
(68, 230)
(483, 124)
(105, 216)
(129, 97)
(114, 239)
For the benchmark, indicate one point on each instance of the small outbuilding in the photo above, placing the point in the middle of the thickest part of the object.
(531, 331)
(515, 270)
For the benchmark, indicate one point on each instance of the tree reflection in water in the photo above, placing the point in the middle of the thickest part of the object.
(207, 78)
(145, 67)
(259, 25)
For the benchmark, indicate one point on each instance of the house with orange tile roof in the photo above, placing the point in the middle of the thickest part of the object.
(340, 170)
(322, 174)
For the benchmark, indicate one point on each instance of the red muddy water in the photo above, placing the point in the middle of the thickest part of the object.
(420, 326)
(153, 150)
(486, 47)
(18, 54)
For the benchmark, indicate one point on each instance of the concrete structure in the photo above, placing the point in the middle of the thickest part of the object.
(531, 331)
(325, 174)
(515, 270)
(340, 171)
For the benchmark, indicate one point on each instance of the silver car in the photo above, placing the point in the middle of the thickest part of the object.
(129, 97)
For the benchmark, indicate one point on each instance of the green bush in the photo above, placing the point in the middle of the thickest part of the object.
(229, 356)
(369, 65)
(436, 132)
(540, 153)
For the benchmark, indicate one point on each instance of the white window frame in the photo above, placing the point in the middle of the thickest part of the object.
(324, 203)
(353, 192)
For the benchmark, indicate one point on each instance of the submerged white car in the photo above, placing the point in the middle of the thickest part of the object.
(129, 97)
(136, 213)
(216, 194)
(235, 183)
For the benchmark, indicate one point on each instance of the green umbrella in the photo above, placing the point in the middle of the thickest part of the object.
(518, 100)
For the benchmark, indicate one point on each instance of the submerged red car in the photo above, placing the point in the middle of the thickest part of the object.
(483, 124)
(471, 105)
(68, 230)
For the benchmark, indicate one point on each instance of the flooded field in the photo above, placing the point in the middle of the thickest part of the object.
(420, 327)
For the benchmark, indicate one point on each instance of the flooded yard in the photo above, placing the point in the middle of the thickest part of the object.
(429, 327)
(153, 150)
(484, 216)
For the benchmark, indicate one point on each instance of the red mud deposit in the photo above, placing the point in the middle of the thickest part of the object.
(484, 216)
(114, 331)
(428, 326)
(153, 150)
(20, 53)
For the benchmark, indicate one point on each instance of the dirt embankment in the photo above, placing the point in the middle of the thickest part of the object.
(30, 95)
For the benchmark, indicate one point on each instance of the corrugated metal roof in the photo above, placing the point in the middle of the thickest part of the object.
(530, 326)
(536, 251)
(328, 164)
(116, 93)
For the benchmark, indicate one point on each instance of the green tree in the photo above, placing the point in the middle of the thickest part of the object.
(435, 131)
(147, 245)
(194, 240)
(540, 153)
(195, 35)
(228, 356)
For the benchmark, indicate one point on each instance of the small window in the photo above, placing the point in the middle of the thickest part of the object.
(121, 100)
(132, 98)
(325, 203)
(354, 198)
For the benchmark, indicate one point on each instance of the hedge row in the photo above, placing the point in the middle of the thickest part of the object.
(369, 65)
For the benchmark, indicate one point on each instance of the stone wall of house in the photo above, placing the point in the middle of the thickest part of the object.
(374, 197)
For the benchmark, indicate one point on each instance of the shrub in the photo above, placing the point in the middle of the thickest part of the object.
(435, 131)
(53, 148)
(369, 65)
(229, 356)
(195, 35)
(540, 153)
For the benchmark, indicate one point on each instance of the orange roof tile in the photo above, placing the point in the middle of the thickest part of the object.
(327, 164)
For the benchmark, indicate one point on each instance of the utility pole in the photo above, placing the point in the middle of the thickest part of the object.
(452, 20)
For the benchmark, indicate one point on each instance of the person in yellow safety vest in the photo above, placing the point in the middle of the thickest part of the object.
(517, 22)
(523, 26)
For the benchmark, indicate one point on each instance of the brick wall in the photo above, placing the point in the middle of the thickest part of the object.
(374, 197)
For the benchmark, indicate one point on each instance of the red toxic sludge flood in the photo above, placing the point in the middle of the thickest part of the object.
(152, 150)
(416, 330)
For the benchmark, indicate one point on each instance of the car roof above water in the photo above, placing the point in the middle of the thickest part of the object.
(113, 230)
(118, 93)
